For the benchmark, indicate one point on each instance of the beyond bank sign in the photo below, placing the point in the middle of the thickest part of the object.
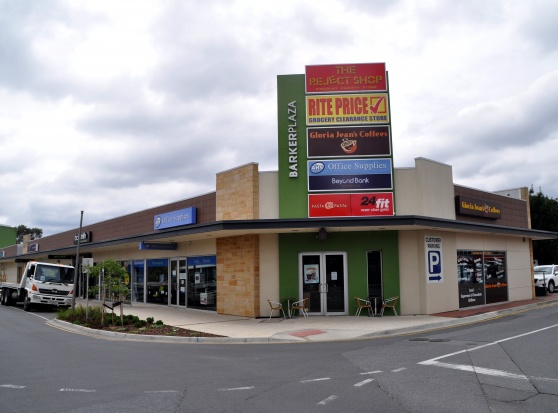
(178, 218)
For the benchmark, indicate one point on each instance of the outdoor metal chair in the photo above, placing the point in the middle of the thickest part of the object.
(362, 303)
(389, 303)
(300, 306)
(275, 306)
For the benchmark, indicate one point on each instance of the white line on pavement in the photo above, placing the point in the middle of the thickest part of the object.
(237, 388)
(399, 369)
(329, 399)
(427, 362)
(12, 386)
(79, 390)
(486, 371)
(372, 372)
(362, 383)
(489, 372)
(308, 381)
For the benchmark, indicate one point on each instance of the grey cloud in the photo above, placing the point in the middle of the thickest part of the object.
(521, 120)
(22, 25)
(539, 25)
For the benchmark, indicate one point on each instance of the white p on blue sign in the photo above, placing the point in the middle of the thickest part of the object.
(434, 272)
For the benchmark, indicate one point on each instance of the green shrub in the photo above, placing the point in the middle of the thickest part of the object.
(140, 323)
(94, 317)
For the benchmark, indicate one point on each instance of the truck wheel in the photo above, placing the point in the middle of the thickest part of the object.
(551, 286)
(26, 304)
(6, 297)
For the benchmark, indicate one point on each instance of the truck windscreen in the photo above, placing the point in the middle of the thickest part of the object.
(46, 273)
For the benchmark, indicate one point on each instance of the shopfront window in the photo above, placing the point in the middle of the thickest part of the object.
(482, 277)
(202, 282)
(157, 281)
(137, 273)
(496, 278)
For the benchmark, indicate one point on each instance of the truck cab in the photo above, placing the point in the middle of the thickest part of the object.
(41, 284)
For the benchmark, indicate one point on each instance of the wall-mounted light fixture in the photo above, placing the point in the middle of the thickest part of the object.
(322, 234)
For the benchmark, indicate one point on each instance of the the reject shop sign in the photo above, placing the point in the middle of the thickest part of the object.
(360, 77)
(350, 205)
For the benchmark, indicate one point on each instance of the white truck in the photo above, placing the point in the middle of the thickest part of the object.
(42, 283)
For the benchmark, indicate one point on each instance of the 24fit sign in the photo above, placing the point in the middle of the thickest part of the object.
(334, 138)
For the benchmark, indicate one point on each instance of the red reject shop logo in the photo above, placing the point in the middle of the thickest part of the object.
(350, 205)
(360, 77)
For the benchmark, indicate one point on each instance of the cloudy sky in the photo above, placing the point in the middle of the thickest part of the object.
(115, 106)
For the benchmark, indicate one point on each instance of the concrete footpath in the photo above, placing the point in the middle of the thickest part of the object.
(298, 330)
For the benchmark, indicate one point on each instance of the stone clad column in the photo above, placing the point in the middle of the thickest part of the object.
(238, 268)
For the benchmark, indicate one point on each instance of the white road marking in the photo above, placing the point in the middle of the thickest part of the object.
(362, 383)
(329, 399)
(398, 370)
(308, 381)
(372, 372)
(161, 391)
(237, 388)
(486, 371)
(427, 362)
(480, 370)
(12, 386)
(489, 372)
(79, 390)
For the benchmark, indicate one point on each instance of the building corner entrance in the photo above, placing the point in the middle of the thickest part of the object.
(323, 280)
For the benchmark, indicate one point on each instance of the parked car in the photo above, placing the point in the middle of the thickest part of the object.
(546, 276)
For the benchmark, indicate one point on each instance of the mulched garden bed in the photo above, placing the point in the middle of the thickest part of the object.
(156, 330)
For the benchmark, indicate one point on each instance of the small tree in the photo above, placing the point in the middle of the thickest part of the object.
(544, 216)
(22, 230)
(112, 286)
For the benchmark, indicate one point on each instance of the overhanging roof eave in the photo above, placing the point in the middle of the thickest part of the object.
(220, 229)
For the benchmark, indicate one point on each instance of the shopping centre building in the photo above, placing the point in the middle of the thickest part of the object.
(336, 221)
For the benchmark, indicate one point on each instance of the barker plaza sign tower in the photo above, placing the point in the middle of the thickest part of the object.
(335, 149)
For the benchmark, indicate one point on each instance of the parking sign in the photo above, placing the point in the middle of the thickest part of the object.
(433, 249)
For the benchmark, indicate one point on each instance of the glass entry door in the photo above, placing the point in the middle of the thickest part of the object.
(178, 282)
(323, 280)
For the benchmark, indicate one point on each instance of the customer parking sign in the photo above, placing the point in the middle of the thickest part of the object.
(433, 249)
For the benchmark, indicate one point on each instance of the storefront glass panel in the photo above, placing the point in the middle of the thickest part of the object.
(178, 281)
(496, 278)
(323, 281)
(482, 277)
(202, 282)
(137, 273)
(157, 281)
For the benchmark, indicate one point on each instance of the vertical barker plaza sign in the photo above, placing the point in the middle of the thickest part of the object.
(335, 150)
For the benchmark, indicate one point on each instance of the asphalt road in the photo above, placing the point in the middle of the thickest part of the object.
(505, 365)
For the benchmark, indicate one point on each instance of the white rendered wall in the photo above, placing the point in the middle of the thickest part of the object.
(425, 190)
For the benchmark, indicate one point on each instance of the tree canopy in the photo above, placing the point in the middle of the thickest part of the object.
(544, 216)
(22, 230)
